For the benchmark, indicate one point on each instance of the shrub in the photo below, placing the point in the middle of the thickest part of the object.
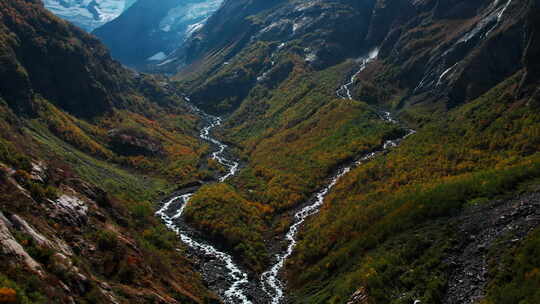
(517, 279)
(159, 237)
(106, 240)
(141, 211)
(8, 295)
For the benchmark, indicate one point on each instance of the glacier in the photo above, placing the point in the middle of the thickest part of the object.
(189, 17)
(88, 14)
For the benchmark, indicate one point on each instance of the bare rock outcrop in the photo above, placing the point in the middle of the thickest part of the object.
(11, 248)
(70, 210)
(55, 244)
(359, 297)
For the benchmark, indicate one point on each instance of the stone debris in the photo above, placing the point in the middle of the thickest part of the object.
(481, 227)
(38, 173)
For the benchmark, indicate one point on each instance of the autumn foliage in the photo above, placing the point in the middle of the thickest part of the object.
(8, 295)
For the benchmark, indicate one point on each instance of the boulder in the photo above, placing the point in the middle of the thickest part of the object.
(70, 210)
(38, 172)
(359, 297)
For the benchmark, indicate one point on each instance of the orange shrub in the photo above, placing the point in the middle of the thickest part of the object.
(8, 295)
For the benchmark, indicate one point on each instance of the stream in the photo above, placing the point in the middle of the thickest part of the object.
(234, 285)
(271, 282)
(344, 92)
(236, 281)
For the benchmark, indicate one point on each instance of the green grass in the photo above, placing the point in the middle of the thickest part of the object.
(118, 181)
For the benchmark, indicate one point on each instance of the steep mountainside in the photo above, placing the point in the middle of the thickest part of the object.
(438, 49)
(94, 79)
(88, 14)
(144, 35)
(85, 146)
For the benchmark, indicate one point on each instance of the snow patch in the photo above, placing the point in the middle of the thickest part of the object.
(158, 57)
(88, 14)
(191, 16)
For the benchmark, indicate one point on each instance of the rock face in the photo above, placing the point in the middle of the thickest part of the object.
(39, 239)
(11, 248)
(472, 60)
(88, 14)
(70, 210)
(149, 31)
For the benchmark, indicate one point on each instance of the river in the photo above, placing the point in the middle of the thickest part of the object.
(171, 212)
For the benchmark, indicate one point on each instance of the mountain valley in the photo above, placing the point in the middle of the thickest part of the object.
(276, 151)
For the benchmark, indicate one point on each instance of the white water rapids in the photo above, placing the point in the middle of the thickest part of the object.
(237, 278)
(218, 155)
(344, 92)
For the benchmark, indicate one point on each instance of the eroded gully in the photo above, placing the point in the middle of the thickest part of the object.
(235, 285)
